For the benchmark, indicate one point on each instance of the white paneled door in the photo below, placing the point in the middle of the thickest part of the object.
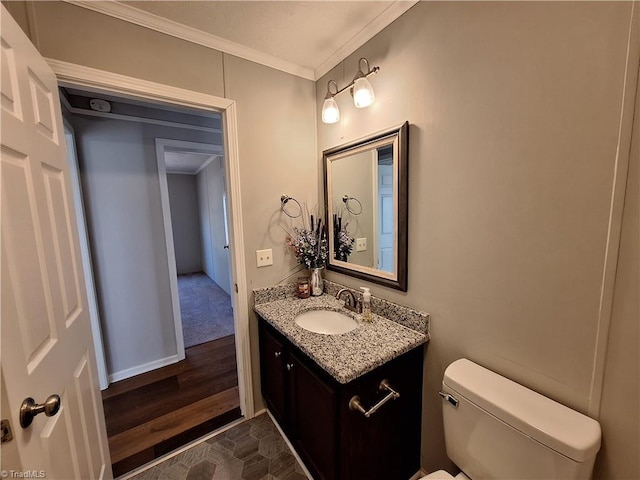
(46, 343)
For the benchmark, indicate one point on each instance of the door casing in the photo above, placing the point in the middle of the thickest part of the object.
(100, 81)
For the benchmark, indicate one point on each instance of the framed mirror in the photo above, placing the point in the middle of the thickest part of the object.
(365, 197)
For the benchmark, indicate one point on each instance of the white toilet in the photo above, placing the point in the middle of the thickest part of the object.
(497, 429)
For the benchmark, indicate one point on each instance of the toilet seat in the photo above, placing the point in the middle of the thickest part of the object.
(444, 475)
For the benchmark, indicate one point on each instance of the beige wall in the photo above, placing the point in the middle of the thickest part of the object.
(514, 110)
(275, 112)
(77, 35)
(276, 139)
(620, 411)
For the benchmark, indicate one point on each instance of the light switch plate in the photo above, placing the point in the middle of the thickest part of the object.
(264, 258)
(361, 244)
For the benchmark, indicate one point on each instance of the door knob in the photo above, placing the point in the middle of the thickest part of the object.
(30, 409)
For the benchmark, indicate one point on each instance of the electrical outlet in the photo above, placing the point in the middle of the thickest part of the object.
(361, 244)
(264, 258)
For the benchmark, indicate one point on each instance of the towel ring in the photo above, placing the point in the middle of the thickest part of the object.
(284, 199)
(346, 199)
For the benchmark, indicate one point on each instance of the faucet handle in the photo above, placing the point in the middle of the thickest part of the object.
(358, 306)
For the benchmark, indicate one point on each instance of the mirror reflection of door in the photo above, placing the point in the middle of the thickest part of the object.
(366, 201)
(385, 230)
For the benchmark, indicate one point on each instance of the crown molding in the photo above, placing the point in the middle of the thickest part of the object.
(386, 18)
(169, 27)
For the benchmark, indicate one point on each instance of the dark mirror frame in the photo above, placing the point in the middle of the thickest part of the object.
(402, 132)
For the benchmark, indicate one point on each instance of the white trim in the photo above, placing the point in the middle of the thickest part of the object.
(183, 32)
(293, 450)
(100, 81)
(87, 268)
(132, 118)
(179, 172)
(386, 18)
(194, 147)
(169, 27)
(375, 241)
(630, 89)
(161, 143)
(144, 368)
(206, 164)
(239, 287)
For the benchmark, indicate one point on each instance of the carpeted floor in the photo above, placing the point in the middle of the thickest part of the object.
(205, 309)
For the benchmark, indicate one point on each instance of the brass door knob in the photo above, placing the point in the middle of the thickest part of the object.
(30, 409)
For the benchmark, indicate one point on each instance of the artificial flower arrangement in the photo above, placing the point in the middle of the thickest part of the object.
(309, 244)
(342, 241)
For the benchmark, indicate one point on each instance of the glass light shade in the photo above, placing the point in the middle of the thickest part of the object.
(330, 111)
(363, 95)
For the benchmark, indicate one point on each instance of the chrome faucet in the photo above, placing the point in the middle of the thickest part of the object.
(350, 302)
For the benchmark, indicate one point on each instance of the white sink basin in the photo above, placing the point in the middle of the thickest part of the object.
(326, 321)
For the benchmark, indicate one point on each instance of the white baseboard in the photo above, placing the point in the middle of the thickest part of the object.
(293, 450)
(144, 368)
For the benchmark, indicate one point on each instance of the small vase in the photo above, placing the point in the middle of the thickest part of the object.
(316, 282)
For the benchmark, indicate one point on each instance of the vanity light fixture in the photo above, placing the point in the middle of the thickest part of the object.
(360, 89)
(330, 110)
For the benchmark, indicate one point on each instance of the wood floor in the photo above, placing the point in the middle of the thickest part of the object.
(151, 414)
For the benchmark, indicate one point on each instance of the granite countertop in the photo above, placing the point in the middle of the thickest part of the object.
(346, 356)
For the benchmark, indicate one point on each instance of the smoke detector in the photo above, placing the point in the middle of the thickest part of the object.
(100, 105)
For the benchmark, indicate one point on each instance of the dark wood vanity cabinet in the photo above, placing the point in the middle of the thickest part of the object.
(334, 441)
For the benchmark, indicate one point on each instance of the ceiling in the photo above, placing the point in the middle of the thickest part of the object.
(306, 38)
(186, 162)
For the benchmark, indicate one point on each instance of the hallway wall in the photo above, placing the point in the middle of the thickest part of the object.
(119, 174)
(185, 222)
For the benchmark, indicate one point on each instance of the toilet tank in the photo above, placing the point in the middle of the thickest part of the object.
(502, 430)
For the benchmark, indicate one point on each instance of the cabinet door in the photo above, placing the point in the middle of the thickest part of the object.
(272, 375)
(385, 445)
(313, 411)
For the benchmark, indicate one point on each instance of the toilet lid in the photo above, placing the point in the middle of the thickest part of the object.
(439, 475)
(444, 475)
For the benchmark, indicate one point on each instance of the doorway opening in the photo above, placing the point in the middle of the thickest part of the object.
(195, 217)
(187, 390)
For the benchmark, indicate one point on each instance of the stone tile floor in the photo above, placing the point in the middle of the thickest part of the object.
(252, 450)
